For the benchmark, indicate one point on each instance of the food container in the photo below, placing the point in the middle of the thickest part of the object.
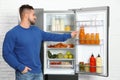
(81, 66)
(87, 67)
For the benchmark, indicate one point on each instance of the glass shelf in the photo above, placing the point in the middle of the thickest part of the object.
(55, 59)
(60, 31)
(90, 23)
(92, 26)
(59, 48)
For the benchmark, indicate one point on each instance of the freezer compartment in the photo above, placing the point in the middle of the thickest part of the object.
(60, 21)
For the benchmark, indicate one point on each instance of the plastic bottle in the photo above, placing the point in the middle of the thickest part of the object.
(53, 24)
(97, 39)
(92, 38)
(92, 64)
(99, 64)
(82, 35)
(57, 23)
(62, 24)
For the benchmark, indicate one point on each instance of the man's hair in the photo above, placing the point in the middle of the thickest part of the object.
(24, 7)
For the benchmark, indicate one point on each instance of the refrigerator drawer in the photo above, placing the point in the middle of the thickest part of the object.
(61, 64)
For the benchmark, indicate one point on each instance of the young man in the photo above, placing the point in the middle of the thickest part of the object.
(21, 47)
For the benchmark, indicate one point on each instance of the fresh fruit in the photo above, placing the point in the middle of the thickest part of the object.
(70, 56)
(68, 52)
(60, 55)
(66, 56)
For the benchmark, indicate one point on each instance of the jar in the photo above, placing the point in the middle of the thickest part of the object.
(87, 67)
(81, 66)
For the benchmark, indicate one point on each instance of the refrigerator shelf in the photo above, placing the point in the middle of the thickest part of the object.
(59, 31)
(91, 26)
(90, 44)
(90, 21)
(60, 59)
(90, 73)
(100, 44)
(58, 48)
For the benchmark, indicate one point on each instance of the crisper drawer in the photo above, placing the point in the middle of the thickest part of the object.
(64, 64)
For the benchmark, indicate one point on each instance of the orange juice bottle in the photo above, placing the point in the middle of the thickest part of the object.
(82, 35)
(87, 38)
(92, 38)
(97, 39)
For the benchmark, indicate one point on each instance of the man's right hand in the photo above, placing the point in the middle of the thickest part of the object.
(26, 70)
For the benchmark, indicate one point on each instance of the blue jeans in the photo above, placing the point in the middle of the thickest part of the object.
(29, 76)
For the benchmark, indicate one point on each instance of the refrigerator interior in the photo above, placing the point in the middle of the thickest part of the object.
(94, 21)
(55, 22)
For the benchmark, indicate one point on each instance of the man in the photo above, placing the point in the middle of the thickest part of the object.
(21, 47)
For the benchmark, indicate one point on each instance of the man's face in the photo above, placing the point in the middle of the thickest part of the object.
(32, 17)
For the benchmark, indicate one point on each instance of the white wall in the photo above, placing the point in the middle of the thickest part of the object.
(114, 40)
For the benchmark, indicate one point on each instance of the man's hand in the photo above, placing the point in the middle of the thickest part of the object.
(74, 34)
(26, 70)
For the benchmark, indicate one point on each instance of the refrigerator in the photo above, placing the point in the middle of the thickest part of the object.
(87, 53)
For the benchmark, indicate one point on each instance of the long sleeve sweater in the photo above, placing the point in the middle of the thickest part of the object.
(21, 47)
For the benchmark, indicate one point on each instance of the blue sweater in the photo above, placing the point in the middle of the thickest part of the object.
(21, 47)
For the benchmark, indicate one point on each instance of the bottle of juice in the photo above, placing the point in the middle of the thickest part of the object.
(92, 38)
(82, 35)
(87, 38)
(97, 39)
(92, 64)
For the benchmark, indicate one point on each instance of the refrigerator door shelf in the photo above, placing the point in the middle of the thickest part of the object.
(89, 44)
(90, 23)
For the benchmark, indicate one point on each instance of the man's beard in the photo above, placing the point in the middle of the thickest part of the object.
(32, 23)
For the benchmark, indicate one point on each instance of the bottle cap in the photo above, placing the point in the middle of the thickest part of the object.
(98, 55)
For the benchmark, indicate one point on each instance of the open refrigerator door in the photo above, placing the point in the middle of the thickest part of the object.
(92, 41)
